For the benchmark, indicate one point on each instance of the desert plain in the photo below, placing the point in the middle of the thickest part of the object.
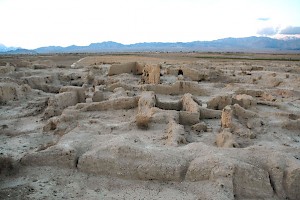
(150, 126)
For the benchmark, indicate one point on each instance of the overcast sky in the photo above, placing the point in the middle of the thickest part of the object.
(36, 23)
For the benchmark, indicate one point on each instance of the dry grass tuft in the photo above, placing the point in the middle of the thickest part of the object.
(142, 121)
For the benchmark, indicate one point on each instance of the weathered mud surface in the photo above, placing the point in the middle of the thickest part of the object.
(150, 126)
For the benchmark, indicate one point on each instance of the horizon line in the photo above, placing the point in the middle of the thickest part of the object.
(106, 41)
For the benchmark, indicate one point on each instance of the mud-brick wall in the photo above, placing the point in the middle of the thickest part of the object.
(131, 67)
(193, 74)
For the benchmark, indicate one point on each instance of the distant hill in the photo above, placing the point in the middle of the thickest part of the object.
(3, 48)
(247, 44)
(19, 51)
(94, 47)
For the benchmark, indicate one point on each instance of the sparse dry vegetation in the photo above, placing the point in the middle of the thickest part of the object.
(142, 121)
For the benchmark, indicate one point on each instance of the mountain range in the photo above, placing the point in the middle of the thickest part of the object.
(247, 44)
(3, 48)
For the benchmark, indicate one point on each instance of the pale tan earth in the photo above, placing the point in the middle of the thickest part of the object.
(150, 126)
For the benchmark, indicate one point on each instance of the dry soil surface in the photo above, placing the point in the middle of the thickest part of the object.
(150, 126)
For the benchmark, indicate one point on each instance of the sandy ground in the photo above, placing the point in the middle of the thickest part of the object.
(70, 126)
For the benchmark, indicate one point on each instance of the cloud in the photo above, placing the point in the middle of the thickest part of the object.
(290, 30)
(268, 31)
(263, 19)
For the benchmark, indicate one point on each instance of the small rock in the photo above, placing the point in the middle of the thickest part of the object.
(200, 127)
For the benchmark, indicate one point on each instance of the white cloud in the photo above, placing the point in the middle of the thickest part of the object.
(268, 31)
(291, 30)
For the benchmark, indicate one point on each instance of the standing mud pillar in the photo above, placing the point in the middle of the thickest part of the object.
(146, 102)
(226, 117)
(190, 114)
(175, 134)
(225, 138)
(151, 74)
